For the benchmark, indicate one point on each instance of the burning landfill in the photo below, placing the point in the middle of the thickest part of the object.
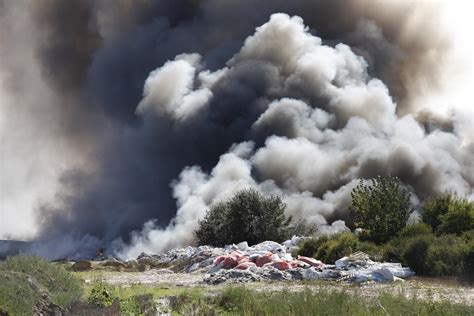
(268, 260)
(122, 122)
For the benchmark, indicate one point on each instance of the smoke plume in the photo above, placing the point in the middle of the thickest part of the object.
(123, 121)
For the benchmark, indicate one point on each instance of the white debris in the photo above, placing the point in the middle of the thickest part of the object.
(270, 260)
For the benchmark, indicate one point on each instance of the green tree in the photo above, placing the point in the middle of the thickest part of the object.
(435, 207)
(448, 214)
(381, 208)
(247, 216)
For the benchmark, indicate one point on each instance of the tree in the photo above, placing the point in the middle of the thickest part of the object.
(380, 208)
(435, 207)
(448, 214)
(247, 216)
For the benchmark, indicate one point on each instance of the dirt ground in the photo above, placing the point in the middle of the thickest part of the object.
(422, 288)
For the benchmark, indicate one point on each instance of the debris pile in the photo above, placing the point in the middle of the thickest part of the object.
(269, 260)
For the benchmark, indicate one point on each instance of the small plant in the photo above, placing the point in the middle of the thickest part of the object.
(102, 295)
(380, 208)
(247, 216)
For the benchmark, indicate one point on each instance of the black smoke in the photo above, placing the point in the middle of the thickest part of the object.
(95, 58)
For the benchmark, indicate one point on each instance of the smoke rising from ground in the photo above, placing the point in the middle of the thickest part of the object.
(139, 115)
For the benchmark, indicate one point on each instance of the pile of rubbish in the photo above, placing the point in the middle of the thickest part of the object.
(269, 260)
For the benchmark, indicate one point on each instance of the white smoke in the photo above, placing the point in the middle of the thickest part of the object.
(340, 125)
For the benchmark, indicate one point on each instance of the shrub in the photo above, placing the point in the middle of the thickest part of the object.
(309, 247)
(380, 208)
(448, 214)
(410, 247)
(102, 295)
(445, 256)
(468, 261)
(414, 230)
(340, 245)
(331, 248)
(63, 286)
(414, 252)
(247, 216)
(458, 219)
(435, 207)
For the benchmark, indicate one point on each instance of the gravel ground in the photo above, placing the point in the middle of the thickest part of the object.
(423, 288)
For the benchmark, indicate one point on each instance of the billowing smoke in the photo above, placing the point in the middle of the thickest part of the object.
(123, 121)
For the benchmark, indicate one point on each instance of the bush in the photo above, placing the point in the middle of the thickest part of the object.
(434, 208)
(309, 247)
(414, 253)
(410, 247)
(414, 230)
(247, 216)
(445, 256)
(102, 295)
(448, 214)
(381, 208)
(63, 286)
(468, 261)
(331, 248)
(340, 245)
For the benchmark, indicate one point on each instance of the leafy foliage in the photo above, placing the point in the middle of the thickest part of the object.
(448, 214)
(102, 295)
(247, 216)
(330, 248)
(380, 208)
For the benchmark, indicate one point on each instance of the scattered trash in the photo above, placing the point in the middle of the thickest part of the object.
(268, 260)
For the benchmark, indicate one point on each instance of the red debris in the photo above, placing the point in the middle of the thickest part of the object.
(263, 259)
(311, 261)
(281, 265)
(245, 265)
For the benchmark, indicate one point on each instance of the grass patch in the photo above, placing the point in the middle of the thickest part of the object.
(243, 301)
(63, 287)
(18, 294)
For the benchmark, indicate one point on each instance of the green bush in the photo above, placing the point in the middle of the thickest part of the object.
(468, 261)
(448, 214)
(380, 208)
(102, 295)
(414, 230)
(331, 248)
(414, 253)
(435, 207)
(340, 245)
(446, 256)
(310, 246)
(62, 285)
(410, 247)
(247, 216)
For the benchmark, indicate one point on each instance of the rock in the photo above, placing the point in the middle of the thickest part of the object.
(82, 265)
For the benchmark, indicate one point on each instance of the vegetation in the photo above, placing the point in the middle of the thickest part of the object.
(330, 248)
(380, 208)
(448, 214)
(243, 301)
(63, 287)
(428, 254)
(102, 295)
(247, 216)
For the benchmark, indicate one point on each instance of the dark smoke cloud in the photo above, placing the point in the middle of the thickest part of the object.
(171, 105)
